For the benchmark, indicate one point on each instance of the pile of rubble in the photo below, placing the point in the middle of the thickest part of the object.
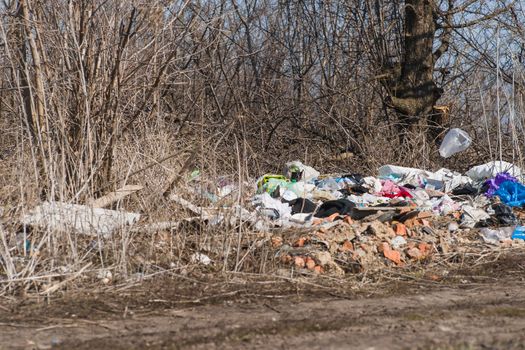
(353, 223)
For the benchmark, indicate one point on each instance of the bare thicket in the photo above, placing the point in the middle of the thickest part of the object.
(95, 93)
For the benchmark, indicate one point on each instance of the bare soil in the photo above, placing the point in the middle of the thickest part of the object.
(469, 308)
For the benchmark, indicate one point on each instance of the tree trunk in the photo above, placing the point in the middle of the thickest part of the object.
(414, 93)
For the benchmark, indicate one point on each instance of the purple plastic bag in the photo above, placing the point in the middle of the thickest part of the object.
(497, 181)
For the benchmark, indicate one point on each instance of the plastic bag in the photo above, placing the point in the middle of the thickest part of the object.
(307, 173)
(511, 193)
(495, 236)
(266, 201)
(491, 169)
(455, 141)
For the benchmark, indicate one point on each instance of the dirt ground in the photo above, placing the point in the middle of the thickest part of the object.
(469, 308)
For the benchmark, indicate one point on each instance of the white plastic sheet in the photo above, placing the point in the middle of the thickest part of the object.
(79, 219)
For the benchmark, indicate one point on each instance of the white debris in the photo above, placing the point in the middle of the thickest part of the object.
(200, 258)
(78, 219)
(105, 276)
(471, 216)
(397, 173)
(398, 242)
(266, 201)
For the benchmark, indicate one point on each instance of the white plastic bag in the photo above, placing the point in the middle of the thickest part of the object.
(399, 173)
(266, 201)
(455, 141)
(491, 169)
(309, 173)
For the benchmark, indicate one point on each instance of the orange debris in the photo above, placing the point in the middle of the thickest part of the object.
(299, 262)
(310, 263)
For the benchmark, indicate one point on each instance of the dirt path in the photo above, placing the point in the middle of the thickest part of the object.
(481, 316)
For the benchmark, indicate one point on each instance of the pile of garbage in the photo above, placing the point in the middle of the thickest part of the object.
(342, 223)
(335, 223)
(322, 223)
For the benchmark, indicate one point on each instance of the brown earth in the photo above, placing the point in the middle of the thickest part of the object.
(468, 308)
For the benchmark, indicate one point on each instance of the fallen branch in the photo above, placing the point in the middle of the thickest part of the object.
(59, 285)
(115, 196)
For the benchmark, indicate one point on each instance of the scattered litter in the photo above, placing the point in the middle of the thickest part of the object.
(511, 193)
(518, 233)
(471, 216)
(353, 223)
(298, 171)
(105, 276)
(337, 223)
(495, 183)
(267, 202)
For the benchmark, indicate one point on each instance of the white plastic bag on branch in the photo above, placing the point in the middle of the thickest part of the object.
(455, 141)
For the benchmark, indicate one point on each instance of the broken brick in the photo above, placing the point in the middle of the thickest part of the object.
(424, 215)
(425, 222)
(300, 242)
(277, 241)
(411, 223)
(393, 255)
(348, 220)
(310, 263)
(318, 269)
(400, 229)
(299, 262)
(286, 258)
(382, 247)
(347, 246)
(332, 217)
(414, 253)
(425, 248)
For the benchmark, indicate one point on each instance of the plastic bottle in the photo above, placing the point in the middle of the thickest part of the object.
(455, 141)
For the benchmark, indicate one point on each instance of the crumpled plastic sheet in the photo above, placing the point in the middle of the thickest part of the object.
(494, 236)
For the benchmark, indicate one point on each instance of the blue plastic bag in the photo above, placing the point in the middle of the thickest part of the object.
(519, 233)
(511, 193)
